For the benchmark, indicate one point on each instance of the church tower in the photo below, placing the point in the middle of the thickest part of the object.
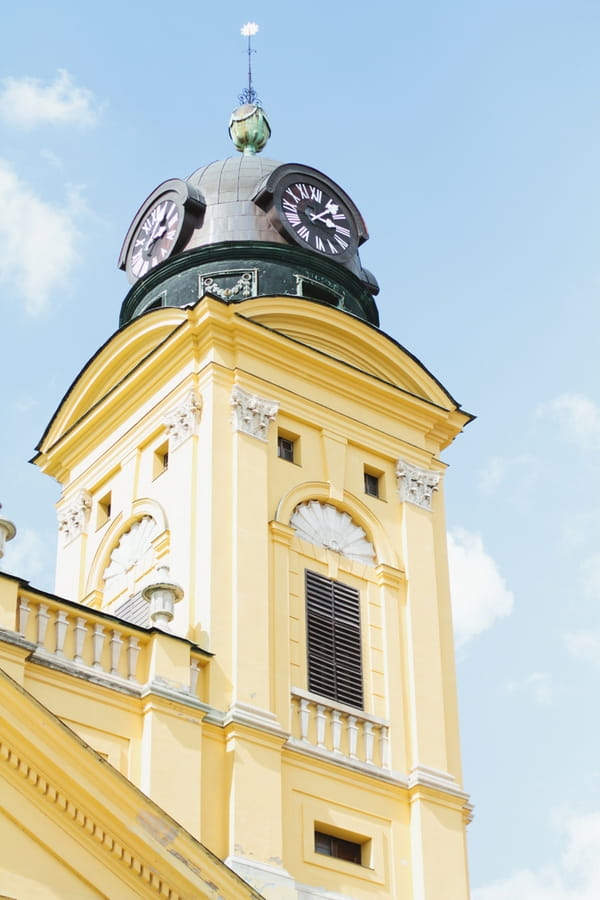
(252, 618)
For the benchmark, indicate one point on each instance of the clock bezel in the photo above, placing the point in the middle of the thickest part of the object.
(269, 197)
(190, 206)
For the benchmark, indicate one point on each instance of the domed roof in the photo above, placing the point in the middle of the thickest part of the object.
(227, 187)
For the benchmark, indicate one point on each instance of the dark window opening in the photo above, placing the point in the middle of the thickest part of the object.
(285, 448)
(337, 847)
(104, 510)
(314, 290)
(371, 484)
(333, 640)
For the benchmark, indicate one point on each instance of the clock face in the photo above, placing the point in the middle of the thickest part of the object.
(155, 238)
(316, 218)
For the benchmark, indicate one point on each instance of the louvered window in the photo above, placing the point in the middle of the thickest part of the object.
(333, 638)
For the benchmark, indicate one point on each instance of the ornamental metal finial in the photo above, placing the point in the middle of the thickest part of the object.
(249, 95)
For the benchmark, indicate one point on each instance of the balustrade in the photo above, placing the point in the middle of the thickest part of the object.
(80, 637)
(341, 730)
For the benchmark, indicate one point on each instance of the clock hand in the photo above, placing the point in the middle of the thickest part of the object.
(319, 218)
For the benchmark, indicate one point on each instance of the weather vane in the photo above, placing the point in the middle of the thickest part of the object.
(249, 95)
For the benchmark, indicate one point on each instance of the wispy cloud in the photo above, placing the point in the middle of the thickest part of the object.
(590, 577)
(479, 593)
(37, 240)
(584, 645)
(501, 467)
(574, 876)
(577, 417)
(537, 685)
(27, 102)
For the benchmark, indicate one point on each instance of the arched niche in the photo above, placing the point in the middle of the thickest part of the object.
(359, 514)
(129, 549)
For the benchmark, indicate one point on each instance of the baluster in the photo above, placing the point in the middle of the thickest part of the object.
(336, 730)
(194, 672)
(42, 622)
(384, 746)
(352, 736)
(61, 631)
(304, 714)
(23, 615)
(97, 645)
(321, 719)
(115, 652)
(80, 630)
(368, 740)
(133, 651)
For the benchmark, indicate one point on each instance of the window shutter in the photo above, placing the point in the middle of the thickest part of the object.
(333, 639)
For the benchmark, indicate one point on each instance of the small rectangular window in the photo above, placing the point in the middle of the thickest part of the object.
(104, 510)
(371, 484)
(160, 462)
(285, 448)
(329, 845)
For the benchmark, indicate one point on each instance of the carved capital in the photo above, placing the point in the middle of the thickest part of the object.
(416, 485)
(252, 414)
(73, 518)
(182, 420)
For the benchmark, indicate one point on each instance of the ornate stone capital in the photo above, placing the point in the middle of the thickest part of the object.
(182, 420)
(73, 518)
(252, 414)
(416, 485)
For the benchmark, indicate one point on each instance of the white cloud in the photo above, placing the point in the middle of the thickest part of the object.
(574, 876)
(479, 593)
(28, 556)
(27, 102)
(37, 240)
(584, 645)
(578, 418)
(537, 684)
(499, 467)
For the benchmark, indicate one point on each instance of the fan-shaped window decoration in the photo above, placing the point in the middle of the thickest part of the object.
(131, 559)
(326, 526)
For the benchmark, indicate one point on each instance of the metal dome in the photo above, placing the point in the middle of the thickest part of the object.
(227, 187)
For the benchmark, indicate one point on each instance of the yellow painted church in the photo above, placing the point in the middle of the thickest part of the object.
(244, 683)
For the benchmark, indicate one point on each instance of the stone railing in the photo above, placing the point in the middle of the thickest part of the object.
(96, 645)
(342, 731)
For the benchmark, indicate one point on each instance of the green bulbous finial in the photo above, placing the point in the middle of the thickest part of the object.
(249, 129)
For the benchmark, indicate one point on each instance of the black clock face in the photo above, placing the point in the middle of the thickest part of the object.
(316, 218)
(156, 237)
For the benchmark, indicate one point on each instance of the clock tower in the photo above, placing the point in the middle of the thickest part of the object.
(252, 618)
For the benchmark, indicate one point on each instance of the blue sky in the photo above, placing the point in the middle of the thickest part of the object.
(468, 134)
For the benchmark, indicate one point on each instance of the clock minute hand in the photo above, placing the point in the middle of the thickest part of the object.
(319, 218)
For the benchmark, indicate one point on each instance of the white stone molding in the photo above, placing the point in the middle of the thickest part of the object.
(73, 518)
(252, 414)
(133, 555)
(182, 421)
(416, 485)
(328, 527)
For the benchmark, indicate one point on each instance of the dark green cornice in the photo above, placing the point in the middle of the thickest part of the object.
(277, 269)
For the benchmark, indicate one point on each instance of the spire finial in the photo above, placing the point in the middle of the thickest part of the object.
(249, 127)
(249, 95)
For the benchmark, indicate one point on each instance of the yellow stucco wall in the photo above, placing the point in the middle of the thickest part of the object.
(232, 764)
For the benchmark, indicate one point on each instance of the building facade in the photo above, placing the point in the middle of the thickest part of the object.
(251, 622)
